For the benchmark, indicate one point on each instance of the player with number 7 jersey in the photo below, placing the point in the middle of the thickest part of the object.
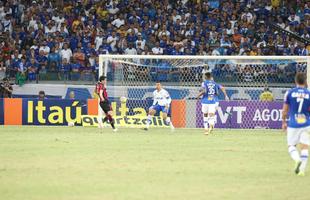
(296, 106)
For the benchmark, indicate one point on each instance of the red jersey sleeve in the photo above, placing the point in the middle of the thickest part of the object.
(99, 86)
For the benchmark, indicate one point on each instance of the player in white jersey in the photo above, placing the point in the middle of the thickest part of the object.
(297, 106)
(161, 103)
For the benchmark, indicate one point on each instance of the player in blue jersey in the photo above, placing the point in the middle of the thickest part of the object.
(209, 102)
(296, 106)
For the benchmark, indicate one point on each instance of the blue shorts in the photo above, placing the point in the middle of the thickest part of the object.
(159, 108)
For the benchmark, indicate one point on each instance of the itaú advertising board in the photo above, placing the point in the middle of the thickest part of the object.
(18, 111)
(51, 112)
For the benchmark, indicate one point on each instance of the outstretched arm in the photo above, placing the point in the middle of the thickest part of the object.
(285, 110)
(284, 116)
(168, 99)
(202, 90)
(224, 92)
(101, 95)
(154, 99)
(200, 94)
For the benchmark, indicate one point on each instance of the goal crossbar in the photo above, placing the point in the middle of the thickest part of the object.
(189, 57)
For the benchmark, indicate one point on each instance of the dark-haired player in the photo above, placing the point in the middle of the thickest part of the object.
(104, 103)
(209, 102)
(161, 103)
(296, 106)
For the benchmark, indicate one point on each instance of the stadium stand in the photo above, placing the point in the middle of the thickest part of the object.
(61, 40)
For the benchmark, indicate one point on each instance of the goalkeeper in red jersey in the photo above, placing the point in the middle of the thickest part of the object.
(101, 91)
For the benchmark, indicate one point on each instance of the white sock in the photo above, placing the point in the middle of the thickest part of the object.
(168, 120)
(100, 124)
(294, 153)
(212, 121)
(304, 154)
(205, 122)
(149, 120)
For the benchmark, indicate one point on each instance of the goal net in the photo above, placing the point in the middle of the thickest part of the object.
(254, 84)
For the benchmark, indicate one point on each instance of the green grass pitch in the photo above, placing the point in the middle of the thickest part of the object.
(63, 163)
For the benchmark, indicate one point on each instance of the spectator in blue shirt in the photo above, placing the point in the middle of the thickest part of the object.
(86, 40)
(65, 69)
(105, 48)
(88, 50)
(76, 68)
(12, 70)
(32, 68)
(53, 60)
(163, 71)
(95, 67)
(42, 61)
(74, 41)
(131, 37)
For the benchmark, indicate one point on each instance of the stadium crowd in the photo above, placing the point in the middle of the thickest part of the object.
(62, 39)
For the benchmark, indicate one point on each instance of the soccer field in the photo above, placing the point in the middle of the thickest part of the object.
(80, 163)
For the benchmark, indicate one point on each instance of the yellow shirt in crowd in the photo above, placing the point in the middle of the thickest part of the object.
(266, 96)
(275, 3)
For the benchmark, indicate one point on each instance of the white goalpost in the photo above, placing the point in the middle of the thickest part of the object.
(244, 77)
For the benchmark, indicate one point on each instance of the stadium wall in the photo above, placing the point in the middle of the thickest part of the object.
(185, 113)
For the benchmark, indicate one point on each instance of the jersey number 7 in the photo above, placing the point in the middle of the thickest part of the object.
(300, 101)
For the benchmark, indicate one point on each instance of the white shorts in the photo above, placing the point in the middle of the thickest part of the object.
(298, 135)
(217, 104)
(208, 108)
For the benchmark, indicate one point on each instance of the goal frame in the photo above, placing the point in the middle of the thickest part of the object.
(104, 59)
